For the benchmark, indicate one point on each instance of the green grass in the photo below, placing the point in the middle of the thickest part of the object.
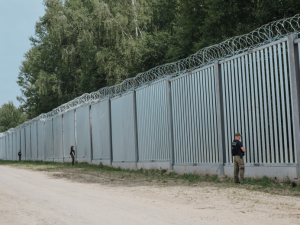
(84, 172)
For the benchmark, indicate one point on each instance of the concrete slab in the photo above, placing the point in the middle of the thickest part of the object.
(210, 169)
(280, 172)
(61, 160)
(154, 165)
(125, 165)
(105, 162)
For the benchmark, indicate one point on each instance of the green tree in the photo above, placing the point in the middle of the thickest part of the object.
(10, 117)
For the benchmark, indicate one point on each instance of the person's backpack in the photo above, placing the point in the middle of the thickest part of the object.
(235, 149)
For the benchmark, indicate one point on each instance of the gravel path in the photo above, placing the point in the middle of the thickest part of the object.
(31, 197)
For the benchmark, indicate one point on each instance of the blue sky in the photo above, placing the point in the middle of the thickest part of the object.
(17, 22)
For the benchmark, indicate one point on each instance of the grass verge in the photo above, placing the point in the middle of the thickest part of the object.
(84, 172)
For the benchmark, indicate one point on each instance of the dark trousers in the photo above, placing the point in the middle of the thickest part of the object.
(19, 158)
(73, 158)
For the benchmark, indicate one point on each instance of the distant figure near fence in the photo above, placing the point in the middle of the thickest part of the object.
(19, 154)
(72, 153)
(238, 151)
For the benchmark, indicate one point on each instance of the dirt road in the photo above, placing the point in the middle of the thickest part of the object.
(30, 197)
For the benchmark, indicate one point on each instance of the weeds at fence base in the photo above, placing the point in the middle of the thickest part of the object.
(85, 172)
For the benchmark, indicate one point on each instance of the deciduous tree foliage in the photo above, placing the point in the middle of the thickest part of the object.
(10, 117)
(82, 45)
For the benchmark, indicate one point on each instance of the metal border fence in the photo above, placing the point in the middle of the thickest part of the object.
(186, 112)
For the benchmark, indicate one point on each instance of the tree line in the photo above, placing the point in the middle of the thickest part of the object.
(80, 46)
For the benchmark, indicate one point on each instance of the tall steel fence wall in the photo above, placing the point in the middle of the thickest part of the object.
(123, 129)
(194, 118)
(152, 122)
(257, 99)
(101, 132)
(68, 134)
(189, 120)
(83, 133)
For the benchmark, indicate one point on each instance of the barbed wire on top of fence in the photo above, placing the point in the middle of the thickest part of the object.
(233, 46)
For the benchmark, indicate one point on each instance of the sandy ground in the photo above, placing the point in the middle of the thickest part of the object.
(31, 197)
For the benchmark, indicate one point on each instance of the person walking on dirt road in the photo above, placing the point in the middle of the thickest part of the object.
(238, 151)
(19, 154)
(72, 153)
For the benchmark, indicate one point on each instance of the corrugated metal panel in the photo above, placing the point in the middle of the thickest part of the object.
(83, 132)
(49, 140)
(58, 137)
(18, 142)
(69, 132)
(122, 122)
(10, 137)
(262, 84)
(15, 145)
(5, 146)
(1, 147)
(41, 140)
(23, 144)
(34, 150)
(152, 122)
(28, 143)
(194, 118)
(100, 130)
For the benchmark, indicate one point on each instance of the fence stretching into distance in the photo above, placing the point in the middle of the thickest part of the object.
(183, 115)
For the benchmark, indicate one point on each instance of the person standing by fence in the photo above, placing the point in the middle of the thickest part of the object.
(19, 154)
(72, 153)
(238, 151)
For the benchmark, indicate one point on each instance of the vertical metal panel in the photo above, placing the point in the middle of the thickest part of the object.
(58, 137)
(100, 130)
(83, 132)
(288, 105)
(257, 89)
(123, 140)
(265, 123)
(41, 140)
(15, 145)
(270, 154)
(49, 140)
(194, 118)
(279, 156)
(282, 109)
(18, 143)
(174, 92)
(1, 148)
(69, 132)
(34, 150)
(6, 147)
(10, 146)
(275, 154)
(294, 58)
(266, 115)
(152, 107)
(28, 143)
(23, 144)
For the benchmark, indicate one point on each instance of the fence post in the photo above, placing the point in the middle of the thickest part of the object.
(295, 94)
(170, 122)
(90, 125)
(63, 138)
(109, 130)
(135, 129)
(220, 116)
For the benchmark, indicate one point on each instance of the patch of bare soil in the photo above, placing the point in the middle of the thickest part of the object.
(32, 197)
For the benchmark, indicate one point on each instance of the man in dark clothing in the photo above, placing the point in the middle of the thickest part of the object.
(238, 151)
(19, 154)
(72, 153)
